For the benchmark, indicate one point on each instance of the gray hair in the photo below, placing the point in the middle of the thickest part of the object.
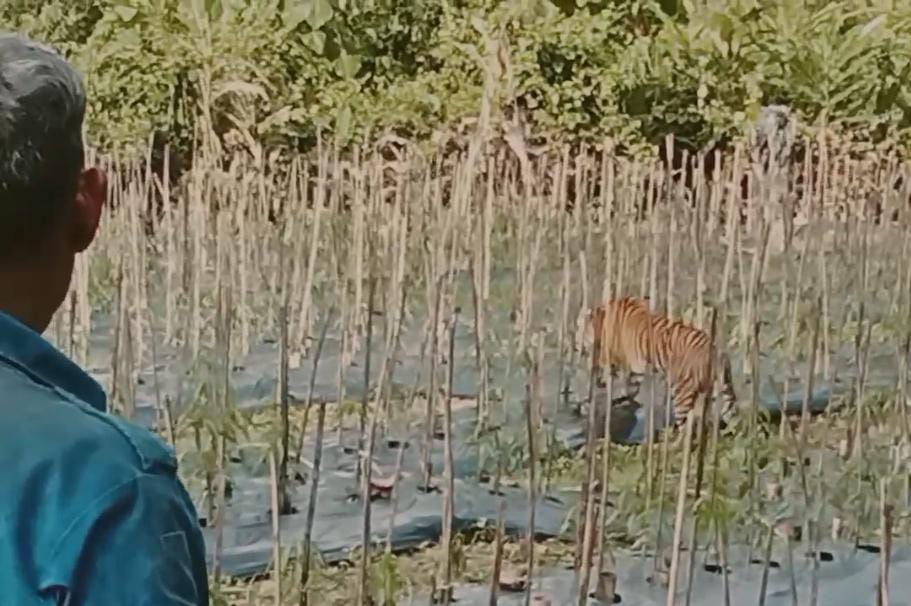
(42, 106)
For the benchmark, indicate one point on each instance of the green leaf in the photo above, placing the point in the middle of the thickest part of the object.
(195, 7)
(214, 9)
(725, 26)
(671, 7)
(343, 123)
(316, 41)
(295, 13)
(873, 25)
(320, 13)
(349, 65)
(126, 13)
(889, 96)
(125, 39)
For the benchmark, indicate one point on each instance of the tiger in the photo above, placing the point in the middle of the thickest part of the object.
(621, 349)
(627, 334)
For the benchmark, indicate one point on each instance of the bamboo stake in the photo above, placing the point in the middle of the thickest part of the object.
(764, 582)
(585, 498)
(223, 328)
(431, 394)
(608, 413)
(704, 411)
(681, 509)
(365, 398)
(498, 541)
(532, 489)
(448, 466)
(317, 465)
(400, 455)
(276, 529)
(885, 524)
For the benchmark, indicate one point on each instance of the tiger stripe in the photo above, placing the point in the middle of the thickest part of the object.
(627, 334)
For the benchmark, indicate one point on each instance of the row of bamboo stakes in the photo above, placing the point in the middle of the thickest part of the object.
(244, 248)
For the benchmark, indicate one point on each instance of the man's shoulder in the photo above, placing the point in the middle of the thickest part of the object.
(56, 424)
(151, 452)
(86, 480)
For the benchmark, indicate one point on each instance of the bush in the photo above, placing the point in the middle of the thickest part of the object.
(266, 73)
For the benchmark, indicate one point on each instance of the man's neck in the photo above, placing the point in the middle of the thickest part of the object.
(23, 296)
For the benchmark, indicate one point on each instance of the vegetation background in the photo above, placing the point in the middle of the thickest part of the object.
(278, 71)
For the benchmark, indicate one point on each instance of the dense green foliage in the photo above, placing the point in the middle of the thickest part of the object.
(274, 72)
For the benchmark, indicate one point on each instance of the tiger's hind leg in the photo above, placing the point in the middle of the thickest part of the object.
(686, 395)
(678, 430)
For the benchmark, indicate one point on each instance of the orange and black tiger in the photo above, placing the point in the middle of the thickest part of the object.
(627, 334)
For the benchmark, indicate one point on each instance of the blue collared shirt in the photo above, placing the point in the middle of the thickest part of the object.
(92, 512)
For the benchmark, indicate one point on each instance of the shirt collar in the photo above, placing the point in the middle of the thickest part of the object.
(31, 353)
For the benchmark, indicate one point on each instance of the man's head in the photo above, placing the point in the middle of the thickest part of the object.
(50, 204)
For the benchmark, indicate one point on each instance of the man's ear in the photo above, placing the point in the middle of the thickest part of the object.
(90, 200)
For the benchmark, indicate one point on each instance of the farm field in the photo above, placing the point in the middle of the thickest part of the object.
(327, 310)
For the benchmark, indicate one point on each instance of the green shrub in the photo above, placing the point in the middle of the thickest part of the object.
(275, 72)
